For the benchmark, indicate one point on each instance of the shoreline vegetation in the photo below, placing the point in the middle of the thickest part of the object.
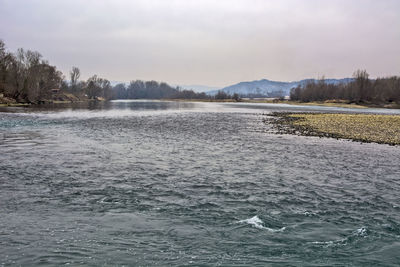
(328, 103)
(27, 79)
(4, 102)
(366, 128)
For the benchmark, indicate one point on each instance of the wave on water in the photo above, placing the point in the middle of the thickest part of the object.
(258, 223)
(360, 232)
(88, 114)
(82, 114)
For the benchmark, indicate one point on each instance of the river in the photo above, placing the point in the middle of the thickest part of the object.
(154, 183)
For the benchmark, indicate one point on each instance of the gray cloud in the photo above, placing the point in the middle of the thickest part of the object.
(208, 42)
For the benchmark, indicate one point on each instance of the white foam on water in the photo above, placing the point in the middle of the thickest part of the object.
(258, 223)
(255, 221)
(362, 231)
(340, 242)
(359, 232)
(309, 213)
(325, 242)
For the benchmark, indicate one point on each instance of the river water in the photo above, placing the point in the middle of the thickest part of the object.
(152, 183)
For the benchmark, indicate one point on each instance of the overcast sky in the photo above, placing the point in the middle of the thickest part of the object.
(212, 42)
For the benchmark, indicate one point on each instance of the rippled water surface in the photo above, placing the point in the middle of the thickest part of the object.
(174, 183)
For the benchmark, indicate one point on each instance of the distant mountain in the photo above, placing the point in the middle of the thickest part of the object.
(270, 88)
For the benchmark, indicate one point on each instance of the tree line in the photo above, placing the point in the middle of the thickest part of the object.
(153, 90)
(360, 90)
(27, 78)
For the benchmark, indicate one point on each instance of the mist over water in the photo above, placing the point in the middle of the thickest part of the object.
(180, 183)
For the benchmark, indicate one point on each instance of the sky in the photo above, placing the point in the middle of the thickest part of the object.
(208, 42)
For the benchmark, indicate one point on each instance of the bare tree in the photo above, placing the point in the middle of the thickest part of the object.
(361, 85)
(3, 66)
(74, 75)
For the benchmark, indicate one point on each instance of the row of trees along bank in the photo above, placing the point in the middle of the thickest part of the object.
(360, 90)
(153, 90)
(25, 77)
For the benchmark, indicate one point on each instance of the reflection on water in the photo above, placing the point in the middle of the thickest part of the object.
(179, 183)
(159, 105)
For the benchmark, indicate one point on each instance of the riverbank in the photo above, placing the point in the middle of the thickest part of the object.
(59, 98)
(344, 104)
(64, 98)
(328, 103)
(368, 128)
